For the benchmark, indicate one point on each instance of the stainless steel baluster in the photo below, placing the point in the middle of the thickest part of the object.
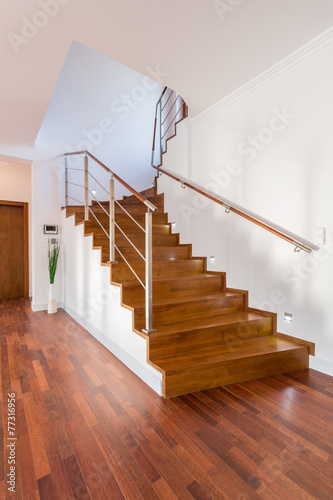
(66, 181)
(112, 219)
(86, 187)
(149, 272)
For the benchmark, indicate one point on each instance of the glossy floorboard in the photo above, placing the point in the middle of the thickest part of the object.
(87, 427)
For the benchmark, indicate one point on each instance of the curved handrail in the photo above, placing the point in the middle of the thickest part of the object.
(139, 196)
(299, 243)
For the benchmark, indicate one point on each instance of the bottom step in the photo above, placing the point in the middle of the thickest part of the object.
(230, 364)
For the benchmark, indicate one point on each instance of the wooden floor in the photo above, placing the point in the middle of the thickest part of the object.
(87, 427)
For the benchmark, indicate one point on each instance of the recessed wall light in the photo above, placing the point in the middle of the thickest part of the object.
(288, 317)
(94, 192)
(212, 259)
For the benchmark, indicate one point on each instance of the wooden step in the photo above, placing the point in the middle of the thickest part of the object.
(131, 203)
(208, 331)
(132, 208)
(157, 200)
(175, 286)
(72, 209)
(121, 272)
(123, 220)
(230, 364)
(164, 254)
(159, 240)
(180, 252)
(171, 310)
(92, 226)
(77, 212)
(147, 193)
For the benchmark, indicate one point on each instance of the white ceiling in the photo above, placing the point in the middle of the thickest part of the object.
(203, 56)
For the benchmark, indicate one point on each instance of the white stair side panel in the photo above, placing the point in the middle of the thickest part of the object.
(90, 299)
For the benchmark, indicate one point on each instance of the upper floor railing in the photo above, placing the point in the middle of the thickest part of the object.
(89, 194)
(170, 109)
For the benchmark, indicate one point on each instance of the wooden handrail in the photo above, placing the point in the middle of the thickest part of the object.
(139, 196)
(299, 243)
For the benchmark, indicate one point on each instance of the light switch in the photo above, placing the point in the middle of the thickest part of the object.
(320, 235)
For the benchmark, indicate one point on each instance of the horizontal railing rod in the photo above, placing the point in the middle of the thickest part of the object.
(107, 213)
(306, 246)
(74, 184)
(130, 241)
(131, 268)
(74, 199)
(107, 192)
(129, 215)
(99, 222)
(139, 196)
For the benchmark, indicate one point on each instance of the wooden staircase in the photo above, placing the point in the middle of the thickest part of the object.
(206, 335)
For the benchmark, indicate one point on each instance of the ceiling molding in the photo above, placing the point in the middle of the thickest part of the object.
(17, 141)
(277, 69)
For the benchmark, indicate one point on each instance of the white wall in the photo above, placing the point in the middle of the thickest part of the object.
(96, 305)
(286, 177)
(106, 108)
(15, 185)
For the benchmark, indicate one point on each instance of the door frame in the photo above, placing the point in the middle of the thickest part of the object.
(25, 206)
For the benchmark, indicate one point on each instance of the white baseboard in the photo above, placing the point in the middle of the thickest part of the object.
(154, 380)
(321, 365)
(43, 307)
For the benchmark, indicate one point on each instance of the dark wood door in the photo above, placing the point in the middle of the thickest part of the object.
(13, 250)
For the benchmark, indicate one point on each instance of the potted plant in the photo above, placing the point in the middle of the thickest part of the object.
(53, 256)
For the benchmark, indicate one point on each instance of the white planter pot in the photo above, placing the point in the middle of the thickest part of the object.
(52, 305)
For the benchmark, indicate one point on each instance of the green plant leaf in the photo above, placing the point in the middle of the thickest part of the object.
(53, 256)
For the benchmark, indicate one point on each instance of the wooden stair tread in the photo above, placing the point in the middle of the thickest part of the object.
(206, 322)
(167, 264)
(169, 279)
(167, 301)
(131, 200)
(194, 361)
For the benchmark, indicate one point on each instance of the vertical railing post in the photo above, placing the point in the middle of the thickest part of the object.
(86, 187)
(161, 140)
(66, 181)
(112, 219)
(149, 272)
